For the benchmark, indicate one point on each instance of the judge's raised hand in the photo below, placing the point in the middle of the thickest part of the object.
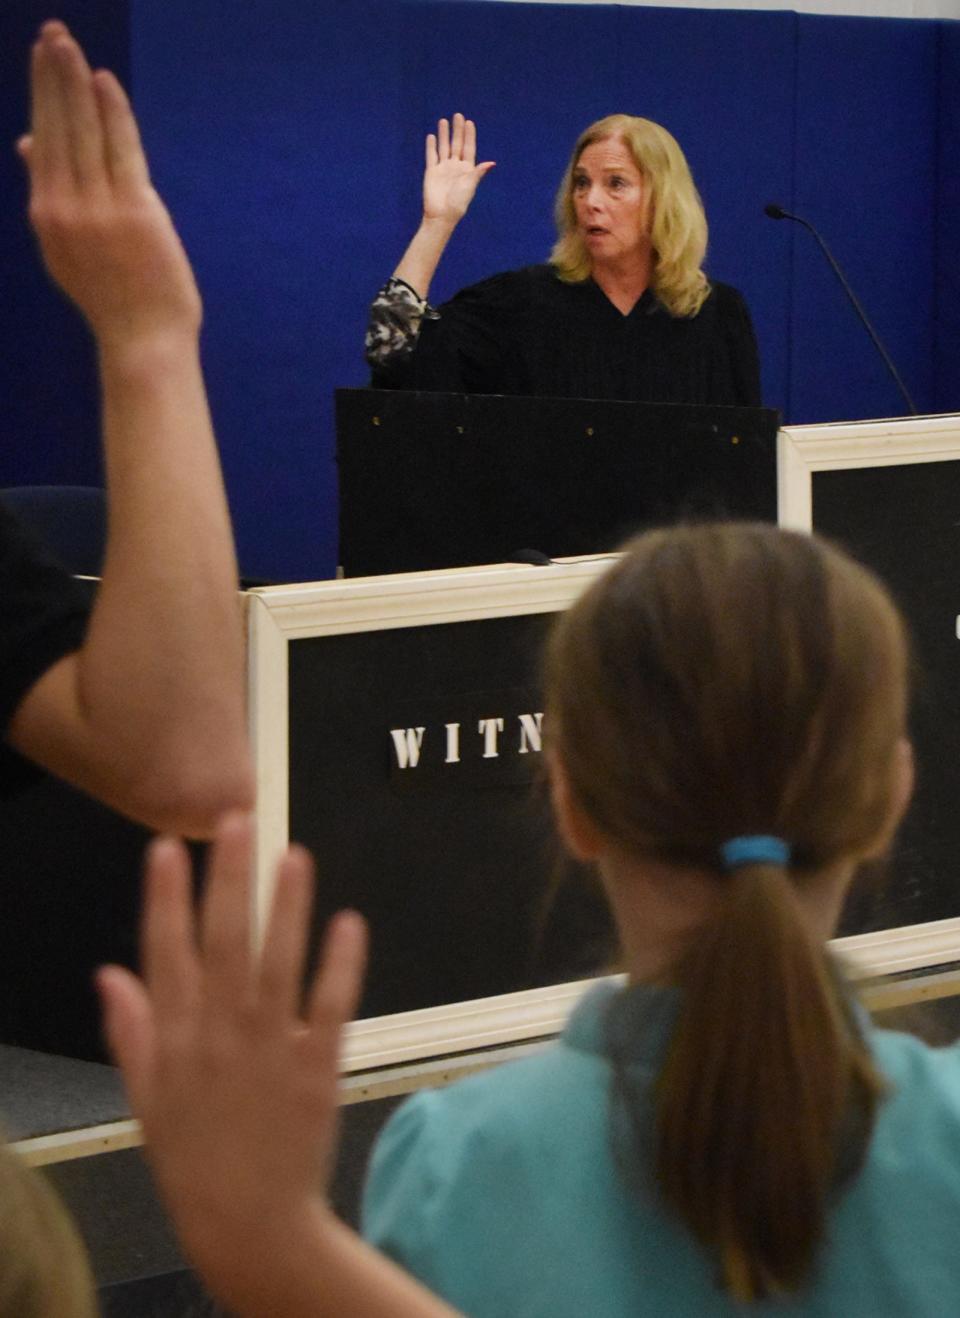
(105, 235)
(235, 1088)
(452, 173)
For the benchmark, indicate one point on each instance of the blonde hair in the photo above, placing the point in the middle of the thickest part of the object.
(44, 1272)
(720, 681)
(679, 232)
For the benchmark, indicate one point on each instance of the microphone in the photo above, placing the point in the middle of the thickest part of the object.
(534, 556)
(775, 212)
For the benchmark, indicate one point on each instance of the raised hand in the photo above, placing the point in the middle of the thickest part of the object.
(105, 235)
(452, 174)
(236, 1091)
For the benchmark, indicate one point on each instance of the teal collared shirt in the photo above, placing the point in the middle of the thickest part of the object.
(502, 1192)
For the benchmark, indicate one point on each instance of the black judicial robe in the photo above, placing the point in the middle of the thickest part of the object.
(528, 332)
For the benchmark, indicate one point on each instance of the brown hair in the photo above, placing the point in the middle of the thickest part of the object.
(679, 232)
(720, 681)
(44, 1272)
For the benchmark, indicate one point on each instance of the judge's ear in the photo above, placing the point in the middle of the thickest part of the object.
(577, 831)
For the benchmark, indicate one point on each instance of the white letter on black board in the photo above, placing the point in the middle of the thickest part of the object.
(531, 736)
(407, 743)
(490, 727)
(453, 743)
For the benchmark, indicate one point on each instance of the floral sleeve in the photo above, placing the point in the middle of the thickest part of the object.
(395, 317)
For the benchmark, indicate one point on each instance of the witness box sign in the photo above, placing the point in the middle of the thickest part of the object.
(398, 726)
(398, 734)
(889, 492)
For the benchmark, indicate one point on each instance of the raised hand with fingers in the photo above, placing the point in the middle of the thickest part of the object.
(450, 180)
(236, 1087)
(452, 174)
(237, 1092)
(105, 235)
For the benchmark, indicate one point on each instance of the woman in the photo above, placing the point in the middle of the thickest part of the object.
(622, 310)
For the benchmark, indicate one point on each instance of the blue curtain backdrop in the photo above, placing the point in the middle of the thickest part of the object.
(287, 140)
(946, 210)
(48, 393)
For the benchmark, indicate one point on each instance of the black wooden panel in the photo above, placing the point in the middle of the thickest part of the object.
(451, 862)
(904, 522)
(444, 480)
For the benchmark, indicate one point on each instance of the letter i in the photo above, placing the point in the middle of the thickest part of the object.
(453, 743)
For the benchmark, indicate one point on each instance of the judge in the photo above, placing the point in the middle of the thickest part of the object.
(622, 309)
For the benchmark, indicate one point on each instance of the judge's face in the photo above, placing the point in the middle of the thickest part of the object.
(611, 201)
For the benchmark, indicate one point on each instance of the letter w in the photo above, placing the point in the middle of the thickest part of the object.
(407, 742)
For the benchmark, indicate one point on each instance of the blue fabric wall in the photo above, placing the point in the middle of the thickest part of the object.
(287, 140)
(946, 396)
(866, 176)
(48, 393)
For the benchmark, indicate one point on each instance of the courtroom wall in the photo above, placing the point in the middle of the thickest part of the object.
(288, 143)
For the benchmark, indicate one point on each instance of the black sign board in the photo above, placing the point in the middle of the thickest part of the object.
(447, 480)
(904, 522)
(416, 779)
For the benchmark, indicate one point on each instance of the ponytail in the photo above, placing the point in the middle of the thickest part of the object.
(767, 1097)
(720, 679)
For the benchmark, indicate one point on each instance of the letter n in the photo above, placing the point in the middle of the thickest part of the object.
(531, 733)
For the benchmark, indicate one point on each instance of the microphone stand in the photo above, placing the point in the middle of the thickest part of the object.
(778, 213)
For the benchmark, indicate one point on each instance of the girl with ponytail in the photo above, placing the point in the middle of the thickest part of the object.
(726, 724)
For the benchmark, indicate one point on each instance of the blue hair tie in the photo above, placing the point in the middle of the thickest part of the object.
(753, 849)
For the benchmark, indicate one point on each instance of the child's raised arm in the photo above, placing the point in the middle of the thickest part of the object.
(237, 1090)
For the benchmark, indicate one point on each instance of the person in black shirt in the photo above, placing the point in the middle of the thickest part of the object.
(142, 705)
(623, 309)
(43, 616)
(137, 702)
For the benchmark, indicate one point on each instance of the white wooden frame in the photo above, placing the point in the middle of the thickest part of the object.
(469, 1027)
(802, 450)
(279, 614)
